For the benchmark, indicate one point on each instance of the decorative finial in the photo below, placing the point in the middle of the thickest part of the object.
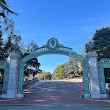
(90, 46)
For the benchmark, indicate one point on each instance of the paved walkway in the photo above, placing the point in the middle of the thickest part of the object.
(54, 93)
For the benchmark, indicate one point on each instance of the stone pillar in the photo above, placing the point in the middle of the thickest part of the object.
(13, 75)
(93, 75)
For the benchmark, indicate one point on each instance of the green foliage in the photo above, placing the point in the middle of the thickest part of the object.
(47, 75)
(43, 76)
(58, 72)
(69, 69)
(101, 41)
(80, 71)
(39, 76)
(4, 47)
(32, 62)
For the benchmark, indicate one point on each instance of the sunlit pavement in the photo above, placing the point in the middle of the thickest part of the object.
(55, 93)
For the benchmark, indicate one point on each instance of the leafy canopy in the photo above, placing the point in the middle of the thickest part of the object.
(101, 41)
(69, 69)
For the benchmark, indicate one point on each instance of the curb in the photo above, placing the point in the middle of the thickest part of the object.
(56, 105)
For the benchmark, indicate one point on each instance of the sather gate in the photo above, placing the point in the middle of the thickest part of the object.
(91, 84)
(53, 47)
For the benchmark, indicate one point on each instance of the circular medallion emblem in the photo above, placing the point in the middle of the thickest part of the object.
(52, 43)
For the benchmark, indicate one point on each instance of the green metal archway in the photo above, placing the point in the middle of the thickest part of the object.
(53, 47)
(5, 66)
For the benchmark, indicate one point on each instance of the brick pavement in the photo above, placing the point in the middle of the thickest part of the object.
(54, 93)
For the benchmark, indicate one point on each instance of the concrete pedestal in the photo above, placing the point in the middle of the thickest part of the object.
(19, 95)
(93, 75)
(104, 95)
(13, 76)
(4, 95)
(86, 96)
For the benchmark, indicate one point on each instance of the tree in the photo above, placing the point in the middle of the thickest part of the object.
(32, 63)
(71, 68)
(7, 46)
(47, 75)
(40, 76)
(5, 8)
(101, 41)
(6, 24)
(58, 72)
(31, 47)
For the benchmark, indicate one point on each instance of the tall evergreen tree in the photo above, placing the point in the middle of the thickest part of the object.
(101, 41)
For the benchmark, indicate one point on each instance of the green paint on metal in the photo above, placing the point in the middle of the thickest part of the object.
(5, 65)
(53, 47)
(103, 63)
(85, 76)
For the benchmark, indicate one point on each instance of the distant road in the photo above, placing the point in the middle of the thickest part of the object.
(71, 80)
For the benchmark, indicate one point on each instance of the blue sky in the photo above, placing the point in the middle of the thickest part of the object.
(72, 22)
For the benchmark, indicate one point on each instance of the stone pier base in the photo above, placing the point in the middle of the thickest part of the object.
(86, 96)
(19, 95)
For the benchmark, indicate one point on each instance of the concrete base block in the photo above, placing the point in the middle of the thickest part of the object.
(7, 96)
(98, 96)
(4, 95)
(86, 96)
(19, 95)
(104, 95)
(10, 95)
